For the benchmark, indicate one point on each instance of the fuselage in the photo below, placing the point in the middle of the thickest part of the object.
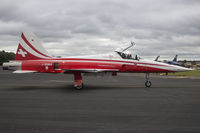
(60, 65)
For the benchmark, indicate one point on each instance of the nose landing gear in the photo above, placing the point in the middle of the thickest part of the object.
(148, 82)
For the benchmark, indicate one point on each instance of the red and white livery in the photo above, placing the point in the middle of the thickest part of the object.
(32, 57)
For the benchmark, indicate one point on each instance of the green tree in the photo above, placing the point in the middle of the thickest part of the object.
(6, 56)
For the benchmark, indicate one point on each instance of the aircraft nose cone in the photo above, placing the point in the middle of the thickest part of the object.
(180, 69)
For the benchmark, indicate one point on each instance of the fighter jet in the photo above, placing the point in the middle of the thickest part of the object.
(31, 57)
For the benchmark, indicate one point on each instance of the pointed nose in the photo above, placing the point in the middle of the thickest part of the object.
(182, 69)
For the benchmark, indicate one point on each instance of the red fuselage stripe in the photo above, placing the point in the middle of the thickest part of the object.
(101, 60)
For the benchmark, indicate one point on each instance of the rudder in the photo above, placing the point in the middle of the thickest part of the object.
(30, 48)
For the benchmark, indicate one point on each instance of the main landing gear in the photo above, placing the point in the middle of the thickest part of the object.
(148, 82)
(78, 82)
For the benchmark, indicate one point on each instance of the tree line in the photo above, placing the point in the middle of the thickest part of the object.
(6, 56)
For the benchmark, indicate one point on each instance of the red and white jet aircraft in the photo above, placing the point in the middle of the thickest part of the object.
(32, 57)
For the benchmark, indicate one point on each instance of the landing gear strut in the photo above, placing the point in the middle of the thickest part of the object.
(148, 82)
(78, 82)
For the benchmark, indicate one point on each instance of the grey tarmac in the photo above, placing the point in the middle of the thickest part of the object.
(48, 103)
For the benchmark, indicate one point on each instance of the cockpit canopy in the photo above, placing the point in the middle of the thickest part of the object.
(128, 56)
(124, 54)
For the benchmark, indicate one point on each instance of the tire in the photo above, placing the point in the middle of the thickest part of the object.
(78, 87)
(148, 83)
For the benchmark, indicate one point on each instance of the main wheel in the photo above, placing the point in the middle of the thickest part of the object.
(148, 83)
(78, 87)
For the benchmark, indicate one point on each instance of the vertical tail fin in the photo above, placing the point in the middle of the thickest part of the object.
(30, 48)
(157, 58)
(175, 58)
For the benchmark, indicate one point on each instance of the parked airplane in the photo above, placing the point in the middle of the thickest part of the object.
(31, 57)
(173, 62)
(157, 58)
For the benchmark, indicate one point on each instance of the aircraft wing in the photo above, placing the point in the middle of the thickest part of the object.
(91, 70)
(24, 71)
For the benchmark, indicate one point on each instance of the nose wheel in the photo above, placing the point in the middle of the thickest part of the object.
(148, 82)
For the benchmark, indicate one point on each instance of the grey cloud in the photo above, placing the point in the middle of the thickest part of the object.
(155, 25)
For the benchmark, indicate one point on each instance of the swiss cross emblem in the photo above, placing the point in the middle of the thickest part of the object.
(23, 53)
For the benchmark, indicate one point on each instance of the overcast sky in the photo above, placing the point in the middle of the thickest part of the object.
(80, 27)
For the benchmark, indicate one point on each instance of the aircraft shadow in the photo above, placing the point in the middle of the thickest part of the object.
(70, 88)
(90, 87)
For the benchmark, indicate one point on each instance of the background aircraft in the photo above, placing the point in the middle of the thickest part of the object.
(173, 62)
(31, 57)
(157, 58)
